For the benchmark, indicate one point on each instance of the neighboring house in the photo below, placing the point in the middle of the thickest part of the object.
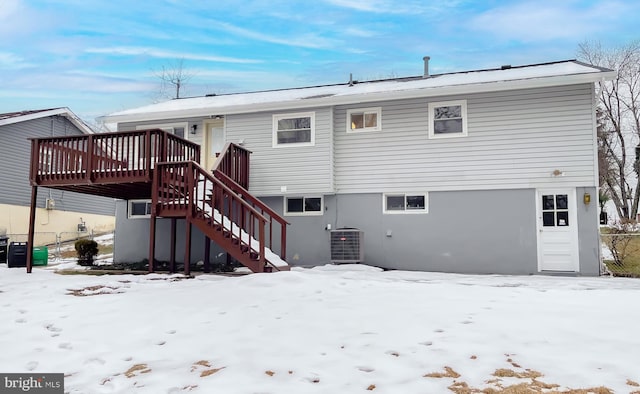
(488, 171)
(59, 214)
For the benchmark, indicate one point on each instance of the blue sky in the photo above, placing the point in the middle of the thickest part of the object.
(97, 57)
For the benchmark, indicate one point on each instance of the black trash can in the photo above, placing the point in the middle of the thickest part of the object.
(17, 254)
(3, 249)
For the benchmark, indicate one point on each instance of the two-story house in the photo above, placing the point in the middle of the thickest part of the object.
(486, 171)
(60, 214)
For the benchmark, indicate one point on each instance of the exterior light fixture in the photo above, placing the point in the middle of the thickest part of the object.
(586, 198)
(194, 128)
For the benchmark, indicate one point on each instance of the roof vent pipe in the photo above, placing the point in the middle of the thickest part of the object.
(426, 66)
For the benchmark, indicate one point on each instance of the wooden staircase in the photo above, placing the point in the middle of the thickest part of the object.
(155, 164)
(222, 209)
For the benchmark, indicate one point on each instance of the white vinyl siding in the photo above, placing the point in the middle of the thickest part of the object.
(296, 169)
(516, 139)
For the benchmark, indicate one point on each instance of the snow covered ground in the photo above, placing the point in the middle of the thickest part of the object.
(332, 329)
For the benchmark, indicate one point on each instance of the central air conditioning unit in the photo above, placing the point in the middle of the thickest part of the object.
(347, 246)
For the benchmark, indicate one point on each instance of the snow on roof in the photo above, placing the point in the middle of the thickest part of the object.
(506, 77)
(23, 116)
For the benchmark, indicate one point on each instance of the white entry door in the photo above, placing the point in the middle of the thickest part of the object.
(557, 230)
(213, 142)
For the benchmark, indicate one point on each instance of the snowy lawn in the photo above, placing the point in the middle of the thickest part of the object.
(332, 329)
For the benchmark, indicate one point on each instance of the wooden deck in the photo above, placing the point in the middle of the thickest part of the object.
(156, 165)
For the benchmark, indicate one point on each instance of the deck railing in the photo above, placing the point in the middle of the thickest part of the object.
(106, 157)
(232, 168)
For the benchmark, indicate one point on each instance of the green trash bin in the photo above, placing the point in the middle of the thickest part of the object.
(40, 255)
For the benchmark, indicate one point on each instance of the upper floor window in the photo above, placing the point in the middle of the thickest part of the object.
(406, 203)
(294, 129)
(448, 119)
(173, 128)
(364, 119)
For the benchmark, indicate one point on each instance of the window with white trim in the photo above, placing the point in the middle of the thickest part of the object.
(294, 129)
(364, 119)
(139, 209)
(406, 203)
(174, 128)
(303, 205)
(448, 119)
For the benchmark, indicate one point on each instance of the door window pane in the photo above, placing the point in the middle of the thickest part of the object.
(563, 218)
(562, 201)
(547, 202)
(548, 219)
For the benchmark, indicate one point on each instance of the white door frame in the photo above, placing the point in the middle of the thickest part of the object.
(206, 143)
(571, 231)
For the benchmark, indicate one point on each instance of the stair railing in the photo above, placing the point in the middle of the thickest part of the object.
(232, 168)
(185, 188)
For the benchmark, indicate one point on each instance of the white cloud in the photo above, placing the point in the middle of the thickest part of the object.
(304, 41)
(535, 20)
(394, 7)
(11, 61)
(159, 53)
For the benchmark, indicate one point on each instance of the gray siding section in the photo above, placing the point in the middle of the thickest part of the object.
(15, 155)
(480, 232)
(131, 242)
(302, 169)
(516, 139)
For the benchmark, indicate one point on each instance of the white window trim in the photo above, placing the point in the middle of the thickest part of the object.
(406, 211)
(129, 210)
(463, 112)
(376, 110)
(166, 127)
(312, 213)
(277, 117)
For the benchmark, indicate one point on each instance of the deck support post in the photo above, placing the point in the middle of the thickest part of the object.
(207, 254)
(172, 260)
(152, 239)
(187, 249)
(32, 224)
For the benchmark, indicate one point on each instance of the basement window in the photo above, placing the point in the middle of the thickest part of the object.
(406, 203)
(364, 119)
(303, 205)
(448, 119)
(294, 129)
(139, 209)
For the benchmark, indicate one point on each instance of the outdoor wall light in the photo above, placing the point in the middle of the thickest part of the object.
(586, 198)
(194, 128)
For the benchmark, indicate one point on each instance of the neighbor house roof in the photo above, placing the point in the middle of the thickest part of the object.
(504, 78)
(22, 116)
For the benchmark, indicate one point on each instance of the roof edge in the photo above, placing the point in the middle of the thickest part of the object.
(368, 97)
(64, 111)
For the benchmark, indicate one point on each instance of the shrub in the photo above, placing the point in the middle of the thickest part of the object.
(620, 236)
(87, 249)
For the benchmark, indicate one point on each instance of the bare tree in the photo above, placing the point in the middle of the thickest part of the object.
(618, 116)
(173, 78)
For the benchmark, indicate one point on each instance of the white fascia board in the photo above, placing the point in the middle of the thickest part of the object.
(368, 97)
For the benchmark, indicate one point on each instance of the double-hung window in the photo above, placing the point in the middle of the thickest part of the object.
(406, 203)
(303, 205)
(139, 209)
(177, 129)
(448, 119)
(294, 129)
(364, 119)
